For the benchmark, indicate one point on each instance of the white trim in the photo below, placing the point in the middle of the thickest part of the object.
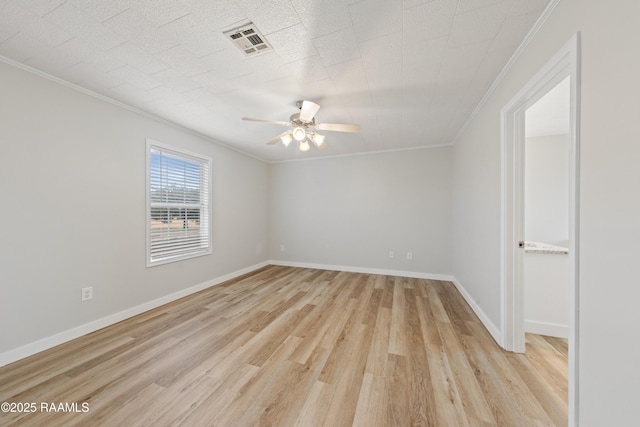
(70, 334)
(511, 257)
(527, 39)
(561, 65)
(120, 104)
(60, 338)
(548, 329)
(566, 62)
(525, 42)
(364, 153)
(183, 154)
(366, 270)
(152, 116)
(493, 330)
(574, 235)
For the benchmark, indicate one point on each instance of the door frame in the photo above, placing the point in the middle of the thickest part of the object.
(565, 63)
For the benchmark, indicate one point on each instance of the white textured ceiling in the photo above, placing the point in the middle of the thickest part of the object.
(410, 72)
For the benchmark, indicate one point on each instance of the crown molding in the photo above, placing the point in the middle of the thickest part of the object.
(546, 13)
(120, 104)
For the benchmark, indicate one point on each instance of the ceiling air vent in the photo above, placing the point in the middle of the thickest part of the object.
(248, 39)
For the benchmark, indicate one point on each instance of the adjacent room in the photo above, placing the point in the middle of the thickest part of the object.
(331, 213)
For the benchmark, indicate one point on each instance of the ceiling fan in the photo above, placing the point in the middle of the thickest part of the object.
(303, 127)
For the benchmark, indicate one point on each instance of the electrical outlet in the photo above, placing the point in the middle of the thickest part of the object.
(281, 248)
(409, 255)
(87, 293)
(390, 254)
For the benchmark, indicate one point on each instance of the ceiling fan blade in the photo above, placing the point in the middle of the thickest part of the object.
(338, 127)
(277, 138)
(275, 122)
(308, 111)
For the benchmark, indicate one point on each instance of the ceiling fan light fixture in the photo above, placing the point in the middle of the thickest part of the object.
(299, 133)
(317, 139)
(302, 127)
(286, 139)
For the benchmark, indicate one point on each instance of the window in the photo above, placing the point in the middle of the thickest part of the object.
(178, 209)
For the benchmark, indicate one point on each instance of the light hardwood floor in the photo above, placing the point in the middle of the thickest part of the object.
(287, 346)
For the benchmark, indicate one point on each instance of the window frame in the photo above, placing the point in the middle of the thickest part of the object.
(183, 155)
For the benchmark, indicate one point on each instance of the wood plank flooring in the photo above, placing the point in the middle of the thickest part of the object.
(296, 347)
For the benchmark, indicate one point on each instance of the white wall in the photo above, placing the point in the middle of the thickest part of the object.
(72, 180)
(609, 199)
(546, 219)
(546, 192)
(546, 294)
(351, 211)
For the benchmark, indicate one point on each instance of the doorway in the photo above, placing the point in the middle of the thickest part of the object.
(563, 65)
(546, 213)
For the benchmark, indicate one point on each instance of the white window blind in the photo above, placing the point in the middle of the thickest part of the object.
(178, 204)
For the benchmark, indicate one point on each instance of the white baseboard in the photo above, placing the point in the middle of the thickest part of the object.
(366, 270)
(488, 324)
(548, 329)
(70, 334)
